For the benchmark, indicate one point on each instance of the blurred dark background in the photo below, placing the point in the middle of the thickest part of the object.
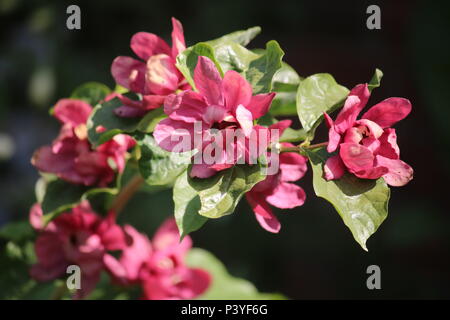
(314, 256)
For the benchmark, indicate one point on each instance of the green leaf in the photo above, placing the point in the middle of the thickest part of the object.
(220, 194)
(293, 135)
(242, 37)
(187, 60)
(157, 166)
(284, 104)
(91, 92)
(61, 196)
(103, 115)
(361, 203)
(16, 231)
(187, 205)
(224, 286)
(233, 56)
(286, 79)
(317, 94)
(261, 71)
(376, 80)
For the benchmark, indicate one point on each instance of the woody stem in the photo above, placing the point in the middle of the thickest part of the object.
(126, 193)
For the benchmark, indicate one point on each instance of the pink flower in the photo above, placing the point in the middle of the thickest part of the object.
(277, 191)
(71, 156)
(155, 77)
(225, 106)
(367, 147)
(158, 266)
(79, 237)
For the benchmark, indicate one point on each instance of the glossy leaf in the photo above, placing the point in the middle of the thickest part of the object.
(317, 94)
(242, 37)
(103, 116)
(261, 71)
(157, 166)
(187, 205)
(91, 92)
(224, 286)
(361, 203)
(61, 196)
(220, 194)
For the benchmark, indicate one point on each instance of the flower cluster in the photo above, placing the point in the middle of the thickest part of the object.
(367, 147)
(71, 156)
(225, 106)
(81, 237)
(155, 77)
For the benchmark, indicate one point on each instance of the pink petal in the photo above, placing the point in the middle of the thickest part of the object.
(136, 254)
(263, 214)
(399, 174)
(161, 75)
(197, 281)
(170, 134)
(35, 217)
(202, 171)
(187, 106)
(129, 73)
(168, 235)
(389, 111)
(245, 119)
(115, 268)
(334, 168)
(45, 160)
(269, 224)
(146, 44)
(372, 173)
(292, 166)
(111, 234)
(152, 101)
(280, 126)
(178, 44)
(355, 102)
(287, 196)
(372, 144)
(208, 81)
(356, 157)
(388, 145)
(214, 114)
(237, 91)
(259, 104)
(72, 111)
(259, 204)
(333, 137)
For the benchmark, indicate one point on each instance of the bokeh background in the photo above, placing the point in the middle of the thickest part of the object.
(314, 256)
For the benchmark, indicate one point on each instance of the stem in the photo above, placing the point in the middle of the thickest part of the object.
(300, 147)
(126, 193)
(315, 146)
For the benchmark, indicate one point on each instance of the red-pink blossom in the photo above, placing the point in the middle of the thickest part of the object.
(277, 190)
(225, 106)
(155, 76)
(158, 266)
(71, 156)
(79, 237)
(367, 147)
